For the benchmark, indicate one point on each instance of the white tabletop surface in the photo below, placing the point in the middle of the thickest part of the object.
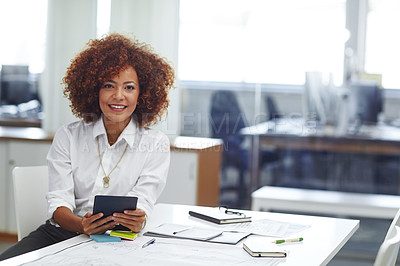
(322, 240)
(326, 202)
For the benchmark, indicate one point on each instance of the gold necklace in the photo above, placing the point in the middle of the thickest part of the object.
(106, 178)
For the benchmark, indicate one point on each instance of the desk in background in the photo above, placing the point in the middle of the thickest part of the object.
(19, 146)
(193, 177)
(298, 135)
(322, 240)
(20, 122)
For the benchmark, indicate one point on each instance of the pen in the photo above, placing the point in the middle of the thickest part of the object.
(148, 243)
(280, 241)
(179, 231)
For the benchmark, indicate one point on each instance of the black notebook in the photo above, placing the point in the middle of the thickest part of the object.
(260, 248)
(220, 217)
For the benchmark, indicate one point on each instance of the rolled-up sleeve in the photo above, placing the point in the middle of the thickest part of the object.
(61, 185)
(153, 176)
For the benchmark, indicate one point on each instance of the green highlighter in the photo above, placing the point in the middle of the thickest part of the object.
(280, 241)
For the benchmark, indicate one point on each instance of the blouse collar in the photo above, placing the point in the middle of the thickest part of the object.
(128, 134)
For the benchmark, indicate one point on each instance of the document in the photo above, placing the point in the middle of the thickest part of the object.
(163, 252)
(266, 227)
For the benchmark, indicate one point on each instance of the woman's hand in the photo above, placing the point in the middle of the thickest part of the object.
(133, 219)
(93, 224)
(89, 224)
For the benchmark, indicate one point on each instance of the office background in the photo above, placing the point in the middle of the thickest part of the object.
(230, 58)
(53, 40)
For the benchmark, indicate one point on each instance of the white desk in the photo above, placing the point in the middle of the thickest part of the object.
(297, 134)
(322, 240)
(325, 202)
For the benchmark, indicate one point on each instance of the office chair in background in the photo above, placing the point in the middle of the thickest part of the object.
(30, 189)
(272, 108)
(226, 121)
(387, 253)
(270, 163)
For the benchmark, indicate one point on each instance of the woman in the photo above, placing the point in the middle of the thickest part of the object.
(117, 87)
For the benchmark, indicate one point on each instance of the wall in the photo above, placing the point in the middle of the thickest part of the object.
(71, 23)
(156, 23)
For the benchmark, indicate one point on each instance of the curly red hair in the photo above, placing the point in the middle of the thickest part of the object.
(103, 59)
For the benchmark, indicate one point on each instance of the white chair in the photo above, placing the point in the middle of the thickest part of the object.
(387, 253)
(30, 189)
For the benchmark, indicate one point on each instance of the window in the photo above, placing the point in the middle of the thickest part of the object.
(23, 33)
(276, 42)
(261, 41)
(382, 43)
(103, 17)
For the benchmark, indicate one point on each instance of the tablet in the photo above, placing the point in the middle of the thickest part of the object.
(111, 204)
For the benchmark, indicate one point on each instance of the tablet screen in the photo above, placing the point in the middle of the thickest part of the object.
(111, 204)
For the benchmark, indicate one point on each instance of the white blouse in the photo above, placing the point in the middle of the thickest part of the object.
(75, 174)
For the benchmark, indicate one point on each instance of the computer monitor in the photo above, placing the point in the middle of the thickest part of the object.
(365, 102)
(17, 85)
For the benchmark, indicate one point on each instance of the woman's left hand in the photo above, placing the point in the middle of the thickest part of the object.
(133, 219)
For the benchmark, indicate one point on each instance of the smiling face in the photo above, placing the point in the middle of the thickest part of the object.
(118, 99)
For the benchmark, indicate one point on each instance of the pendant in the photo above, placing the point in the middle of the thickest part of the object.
(106, 181)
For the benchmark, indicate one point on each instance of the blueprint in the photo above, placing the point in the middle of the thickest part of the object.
(164, 252)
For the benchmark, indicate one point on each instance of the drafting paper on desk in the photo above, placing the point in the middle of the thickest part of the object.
(164, 252)
(267, 227)
(184, 231)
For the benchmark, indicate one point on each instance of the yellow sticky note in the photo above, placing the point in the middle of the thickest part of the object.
(124, 235)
